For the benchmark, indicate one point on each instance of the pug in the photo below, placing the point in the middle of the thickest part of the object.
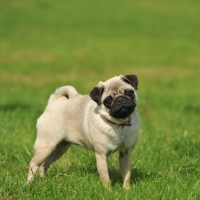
(105, 121)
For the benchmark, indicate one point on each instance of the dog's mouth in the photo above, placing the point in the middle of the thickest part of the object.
(122, 107)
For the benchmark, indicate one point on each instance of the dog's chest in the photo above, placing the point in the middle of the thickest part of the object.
(121, 138)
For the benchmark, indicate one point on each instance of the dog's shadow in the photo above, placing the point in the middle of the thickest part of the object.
(136, 176)
(115, 176)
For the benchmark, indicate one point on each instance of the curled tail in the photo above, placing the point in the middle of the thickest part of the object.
(67, 91)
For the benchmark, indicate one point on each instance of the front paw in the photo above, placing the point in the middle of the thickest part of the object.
(107, 185)
(126, 185)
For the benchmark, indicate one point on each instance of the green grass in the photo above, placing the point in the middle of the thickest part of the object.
(47, 44)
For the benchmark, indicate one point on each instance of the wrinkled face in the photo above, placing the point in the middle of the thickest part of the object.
(117, 95)
(119, 99)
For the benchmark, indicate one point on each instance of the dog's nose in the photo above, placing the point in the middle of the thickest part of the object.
(123, 101)
(122, 107)
(120, 100)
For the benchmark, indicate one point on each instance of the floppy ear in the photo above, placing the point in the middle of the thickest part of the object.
(96, 94)
(132, 80)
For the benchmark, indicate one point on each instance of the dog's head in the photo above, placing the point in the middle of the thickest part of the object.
(117, 96)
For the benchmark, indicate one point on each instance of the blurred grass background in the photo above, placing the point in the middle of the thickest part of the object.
(46, 44)
(81, 42)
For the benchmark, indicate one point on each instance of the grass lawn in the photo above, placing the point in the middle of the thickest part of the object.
(47, 44)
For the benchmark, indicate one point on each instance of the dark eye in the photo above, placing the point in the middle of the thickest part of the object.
(129, 93)
(107, 102)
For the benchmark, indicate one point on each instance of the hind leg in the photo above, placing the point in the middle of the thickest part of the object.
(44, 155)
(39, 157)
(60, 149)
